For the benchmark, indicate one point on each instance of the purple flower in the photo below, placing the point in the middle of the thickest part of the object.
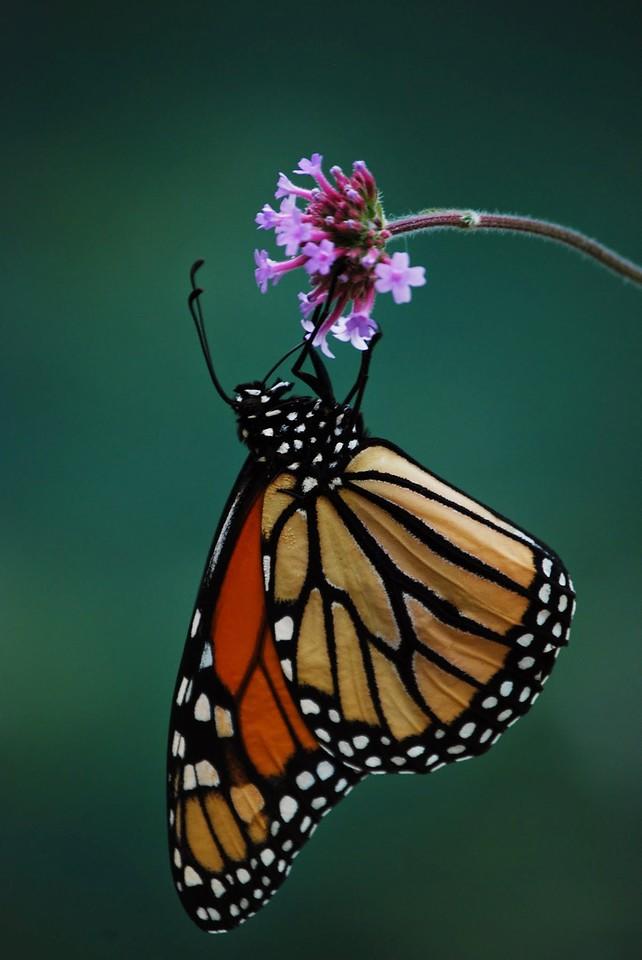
(339, 236)
(285, 188)
(266, 218)
(292, 230)
(310, 167)
(398, 277)
(321, 338)
(321, 256)
(263, 272)
(308, 302)
(356, 329)
(273, 270)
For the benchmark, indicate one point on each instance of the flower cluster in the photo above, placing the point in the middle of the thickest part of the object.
(338, 237)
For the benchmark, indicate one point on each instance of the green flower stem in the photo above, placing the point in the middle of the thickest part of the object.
(474, 220)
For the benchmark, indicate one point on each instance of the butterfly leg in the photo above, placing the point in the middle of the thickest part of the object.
(359, 386)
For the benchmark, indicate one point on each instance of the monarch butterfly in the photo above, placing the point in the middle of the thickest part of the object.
(357, 615)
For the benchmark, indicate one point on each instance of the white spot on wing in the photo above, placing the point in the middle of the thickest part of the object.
(206, 657)
(189, 777)
(284, 628)
(195, 623)
(206, 774)
(180, 696)
(202, 709)
(267, 856)
(192, 879)
(325, 770)
(288, 807)
(309, 706)
(525, 640)
(286, 666)
(304, 780)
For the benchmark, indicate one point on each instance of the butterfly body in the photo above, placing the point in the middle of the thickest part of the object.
(311, 438)
(357, 614)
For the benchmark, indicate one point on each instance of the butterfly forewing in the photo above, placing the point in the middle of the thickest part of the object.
(413, 624)
(247, 781)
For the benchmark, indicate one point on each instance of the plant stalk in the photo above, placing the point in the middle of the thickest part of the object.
(474, 220)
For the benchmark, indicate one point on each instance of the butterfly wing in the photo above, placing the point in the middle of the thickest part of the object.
(413, 623)
(247, 781)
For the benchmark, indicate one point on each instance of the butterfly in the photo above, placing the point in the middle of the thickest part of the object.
(357, 615)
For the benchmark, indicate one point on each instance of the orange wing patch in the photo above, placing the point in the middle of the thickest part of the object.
(239, 619)
(247, 780)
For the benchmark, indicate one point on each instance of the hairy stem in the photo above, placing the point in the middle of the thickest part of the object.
(473, 220)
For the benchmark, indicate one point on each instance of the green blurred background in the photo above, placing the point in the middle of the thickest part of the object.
(140, 136)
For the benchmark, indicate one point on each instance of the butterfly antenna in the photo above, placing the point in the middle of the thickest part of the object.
(194, 303)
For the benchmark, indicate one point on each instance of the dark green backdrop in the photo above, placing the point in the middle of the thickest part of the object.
(139, 136)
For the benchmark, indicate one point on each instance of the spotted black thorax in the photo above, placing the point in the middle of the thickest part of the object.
(313, 438)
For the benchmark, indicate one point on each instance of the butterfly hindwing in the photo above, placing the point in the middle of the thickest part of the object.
(247, 781)
(413, 624)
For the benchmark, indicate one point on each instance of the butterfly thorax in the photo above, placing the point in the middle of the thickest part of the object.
(309, 437)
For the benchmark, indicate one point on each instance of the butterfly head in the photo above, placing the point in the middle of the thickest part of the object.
(256, 396)
(305, 435)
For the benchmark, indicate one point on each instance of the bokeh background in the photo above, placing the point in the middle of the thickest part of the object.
(139, 136)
